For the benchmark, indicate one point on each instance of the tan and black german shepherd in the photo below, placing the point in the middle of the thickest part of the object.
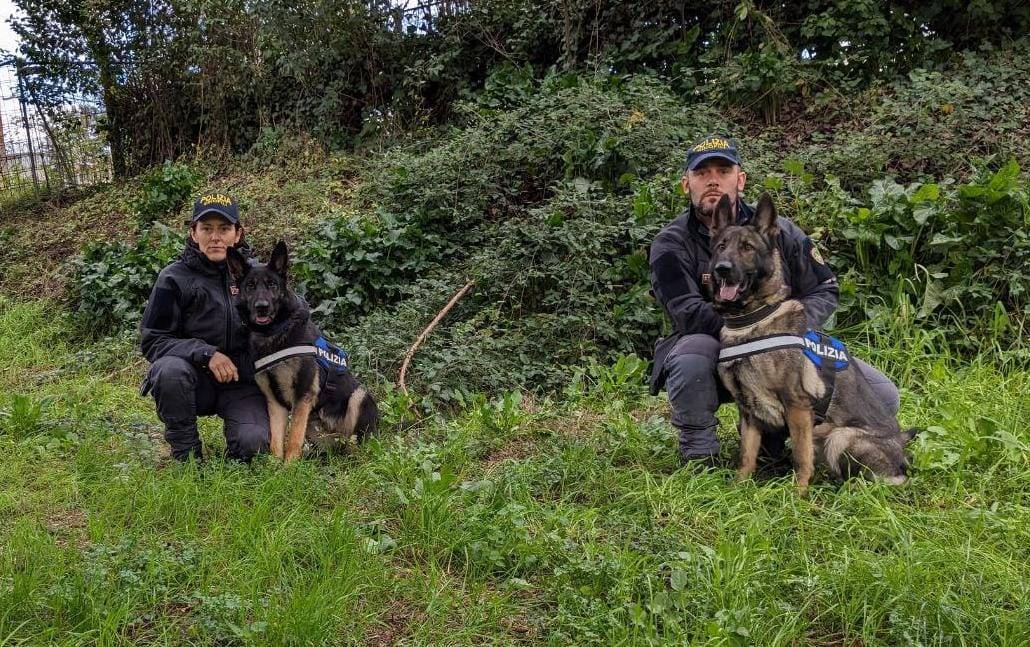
(783, 388)
(298, 371)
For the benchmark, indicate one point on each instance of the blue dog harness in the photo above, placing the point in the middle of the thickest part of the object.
(330, 357)
(827, 353)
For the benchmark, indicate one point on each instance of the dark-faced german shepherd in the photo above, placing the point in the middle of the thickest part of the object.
(327, 402)
(779, 389)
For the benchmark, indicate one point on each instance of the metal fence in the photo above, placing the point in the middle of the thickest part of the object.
(46, 149)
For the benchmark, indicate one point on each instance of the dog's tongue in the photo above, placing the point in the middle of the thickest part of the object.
(728, 292)
(261, 321)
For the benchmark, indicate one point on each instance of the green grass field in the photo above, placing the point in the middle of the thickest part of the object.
(515, 520)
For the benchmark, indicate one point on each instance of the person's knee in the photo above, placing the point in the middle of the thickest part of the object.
(694, 356)
(889, 395)
(885, 390)
(702, 345)
(250, 441)
(172, 373)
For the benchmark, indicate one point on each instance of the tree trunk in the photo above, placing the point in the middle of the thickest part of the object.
(101, 53)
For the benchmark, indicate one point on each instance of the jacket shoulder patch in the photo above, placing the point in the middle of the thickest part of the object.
(816, 256)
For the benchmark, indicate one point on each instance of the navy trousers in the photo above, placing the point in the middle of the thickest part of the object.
(695, 393)
(182, 392)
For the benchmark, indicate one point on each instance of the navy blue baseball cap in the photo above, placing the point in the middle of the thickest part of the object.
(218, 204)
(711, 146)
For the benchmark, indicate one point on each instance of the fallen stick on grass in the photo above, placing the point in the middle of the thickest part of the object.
(425, 333)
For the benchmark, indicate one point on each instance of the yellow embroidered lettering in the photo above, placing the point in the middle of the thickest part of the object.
(216, 198)
(710, 144)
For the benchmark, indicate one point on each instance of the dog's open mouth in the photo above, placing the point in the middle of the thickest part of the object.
(262, 320)
(730, 292)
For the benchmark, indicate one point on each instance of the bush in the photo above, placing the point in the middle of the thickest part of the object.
(940, 254)
(112, 281)
(164, 189)
(542, 205)
(933, 123)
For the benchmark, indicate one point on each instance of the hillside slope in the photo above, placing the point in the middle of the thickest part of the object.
(548, 193)
(529, 491)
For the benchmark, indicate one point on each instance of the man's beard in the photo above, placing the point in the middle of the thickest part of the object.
(708, 211)
(705, 211)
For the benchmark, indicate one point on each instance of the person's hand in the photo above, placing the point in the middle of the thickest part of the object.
(222, 368)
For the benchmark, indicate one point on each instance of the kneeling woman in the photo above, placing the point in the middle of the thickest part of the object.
(196, 344)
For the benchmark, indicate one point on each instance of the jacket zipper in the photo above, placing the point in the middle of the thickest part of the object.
(228, 312)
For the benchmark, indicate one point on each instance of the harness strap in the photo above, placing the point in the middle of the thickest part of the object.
(293, 351)
(736, 322)
(760, 345)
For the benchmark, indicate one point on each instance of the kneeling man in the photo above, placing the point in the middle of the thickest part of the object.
(684, 362)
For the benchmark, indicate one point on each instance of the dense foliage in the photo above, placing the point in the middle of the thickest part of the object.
(550, 194)
(113, 279)
(164, 189)
(173, 74)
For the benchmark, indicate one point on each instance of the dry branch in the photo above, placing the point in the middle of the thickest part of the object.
(425, 333)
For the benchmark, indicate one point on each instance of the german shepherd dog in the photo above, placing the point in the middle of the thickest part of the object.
(779, 389)
(327, 402)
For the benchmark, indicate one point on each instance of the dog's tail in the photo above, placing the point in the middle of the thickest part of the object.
(853, 451)
(835, 451)
(362, 419)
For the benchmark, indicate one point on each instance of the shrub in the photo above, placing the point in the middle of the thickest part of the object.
(942, 254)
(932, 123)
(541, 204)
(112, 281)
(164, 189)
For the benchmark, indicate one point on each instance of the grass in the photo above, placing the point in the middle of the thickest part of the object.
(515, 520)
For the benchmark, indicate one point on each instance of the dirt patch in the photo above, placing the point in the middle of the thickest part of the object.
(520, 629)
(580, 426)
(68, 527)
(515, 449)
(395, 624)
(145, 627)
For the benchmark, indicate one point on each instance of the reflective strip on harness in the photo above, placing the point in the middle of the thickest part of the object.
(760, 346)
(827, 353)
(286, 353)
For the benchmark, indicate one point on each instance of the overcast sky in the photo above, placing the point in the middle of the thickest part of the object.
(7, 40)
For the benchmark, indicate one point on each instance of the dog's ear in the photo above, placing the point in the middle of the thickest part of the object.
(765, 217)
(280, 261)
(237, 264)
(723, 216)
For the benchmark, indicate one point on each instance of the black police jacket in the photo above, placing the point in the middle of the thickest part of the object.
(680, 257)
(191, 314)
